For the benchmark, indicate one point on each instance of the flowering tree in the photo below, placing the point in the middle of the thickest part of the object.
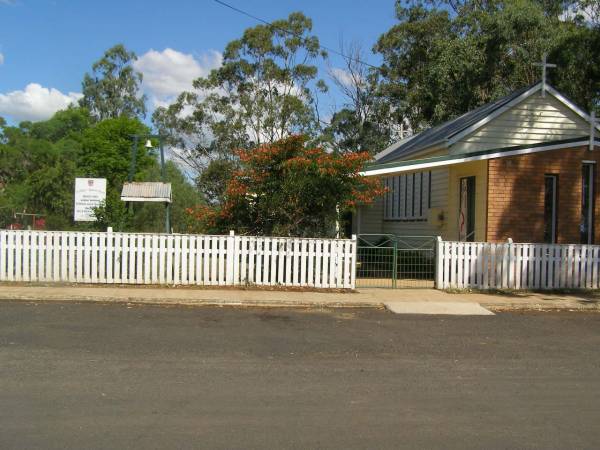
(289, 189)
(265, 89)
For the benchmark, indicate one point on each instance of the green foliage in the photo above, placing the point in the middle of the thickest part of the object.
(442, 58)
(40, 161)
(151, 216)
(212, 181)
(112, 90)
(348, 133)
(445, 58)
(106, 150)
(366, 122)
(264, 91)
(290, 189)
(38, 165)
(51, 187)
(113, 213)
(69, 123)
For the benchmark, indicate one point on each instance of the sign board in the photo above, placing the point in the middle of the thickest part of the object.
(89, 193)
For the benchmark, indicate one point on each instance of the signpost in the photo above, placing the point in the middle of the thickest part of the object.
(89, 194)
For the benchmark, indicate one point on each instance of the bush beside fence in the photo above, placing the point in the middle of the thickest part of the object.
(131, 258)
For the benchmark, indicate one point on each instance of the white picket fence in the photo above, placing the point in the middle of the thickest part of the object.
(484, 265)
(132, 258)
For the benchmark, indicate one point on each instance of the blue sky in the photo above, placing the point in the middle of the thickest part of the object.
(47, 46)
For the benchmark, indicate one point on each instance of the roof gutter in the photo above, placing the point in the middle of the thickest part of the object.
(443, 161)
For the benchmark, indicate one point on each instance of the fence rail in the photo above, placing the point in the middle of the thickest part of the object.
(130, 258)
(517, 266)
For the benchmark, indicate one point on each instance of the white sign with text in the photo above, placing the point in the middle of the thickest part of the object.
(89, 194)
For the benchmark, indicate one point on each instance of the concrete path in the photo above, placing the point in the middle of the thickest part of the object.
(416, 301)
(439, 308)
(188, 296)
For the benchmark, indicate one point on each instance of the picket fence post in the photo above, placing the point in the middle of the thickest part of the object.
(229, 263)
(353, 261)
(439, 263)
(510, 265)
(3, 254)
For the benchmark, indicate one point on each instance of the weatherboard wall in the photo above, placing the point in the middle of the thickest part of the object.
(370, 219)
(536, 119)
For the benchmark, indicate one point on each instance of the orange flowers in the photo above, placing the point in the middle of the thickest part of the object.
(287, 187)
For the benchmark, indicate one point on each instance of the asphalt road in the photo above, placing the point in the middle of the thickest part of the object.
(99, 376)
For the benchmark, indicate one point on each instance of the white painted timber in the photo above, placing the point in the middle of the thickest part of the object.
(534, 120)
(483, 265)
(133, 258)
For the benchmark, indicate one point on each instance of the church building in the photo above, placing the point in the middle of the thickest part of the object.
(523, 167)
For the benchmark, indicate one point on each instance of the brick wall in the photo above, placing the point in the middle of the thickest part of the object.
(516, 195)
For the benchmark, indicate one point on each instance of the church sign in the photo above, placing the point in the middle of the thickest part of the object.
(89, 194)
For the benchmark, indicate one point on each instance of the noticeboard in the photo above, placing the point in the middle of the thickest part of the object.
(89, 194)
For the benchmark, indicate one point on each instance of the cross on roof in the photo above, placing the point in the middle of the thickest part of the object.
(544, 65)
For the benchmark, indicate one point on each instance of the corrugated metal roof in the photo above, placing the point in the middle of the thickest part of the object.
(376, 169)
(146, 191)
(446, 130)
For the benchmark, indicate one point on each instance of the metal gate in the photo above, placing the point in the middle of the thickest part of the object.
(390, 261)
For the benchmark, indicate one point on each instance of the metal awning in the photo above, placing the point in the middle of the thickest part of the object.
(146, 192)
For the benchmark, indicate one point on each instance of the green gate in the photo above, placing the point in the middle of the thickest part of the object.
(390, 261)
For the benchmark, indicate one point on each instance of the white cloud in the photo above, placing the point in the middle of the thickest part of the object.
(1, 59)
(35, 102)
(345, 77)
(168, 73)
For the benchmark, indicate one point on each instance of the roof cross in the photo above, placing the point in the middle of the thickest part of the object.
(544, 65)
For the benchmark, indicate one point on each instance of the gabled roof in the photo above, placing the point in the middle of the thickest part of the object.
(391, 168)
(449, 132)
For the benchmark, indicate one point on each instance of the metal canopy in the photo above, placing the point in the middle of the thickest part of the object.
(146, 192)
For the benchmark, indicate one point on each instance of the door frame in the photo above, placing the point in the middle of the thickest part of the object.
(469, 182)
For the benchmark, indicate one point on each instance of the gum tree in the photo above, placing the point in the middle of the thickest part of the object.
(263, 92)
(113, 88)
